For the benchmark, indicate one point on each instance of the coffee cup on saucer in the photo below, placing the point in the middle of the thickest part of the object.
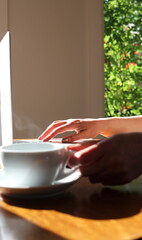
(36, 164)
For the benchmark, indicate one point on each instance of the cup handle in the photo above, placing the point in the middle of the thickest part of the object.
(66, 172)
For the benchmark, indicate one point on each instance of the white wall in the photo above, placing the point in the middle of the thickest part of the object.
(57, 62)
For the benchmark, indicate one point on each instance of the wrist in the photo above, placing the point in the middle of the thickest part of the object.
(111, 126)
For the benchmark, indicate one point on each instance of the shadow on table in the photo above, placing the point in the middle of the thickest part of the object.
(107, 204)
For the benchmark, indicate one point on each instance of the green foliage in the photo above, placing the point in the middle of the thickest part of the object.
(123, 57)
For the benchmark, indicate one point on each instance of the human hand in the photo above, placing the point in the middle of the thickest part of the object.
(113, 161)
(84, 128)
(90, 128)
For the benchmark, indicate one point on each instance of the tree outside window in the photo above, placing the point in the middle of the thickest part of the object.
(123, 57)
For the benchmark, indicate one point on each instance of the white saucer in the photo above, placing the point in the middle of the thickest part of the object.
(11, 189)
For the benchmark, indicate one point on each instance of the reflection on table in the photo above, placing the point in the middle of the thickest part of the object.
(84, 211)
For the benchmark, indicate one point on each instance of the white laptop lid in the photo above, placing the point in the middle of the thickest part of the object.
(6, 127)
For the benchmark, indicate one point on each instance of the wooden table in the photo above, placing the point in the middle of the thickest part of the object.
(84, 212)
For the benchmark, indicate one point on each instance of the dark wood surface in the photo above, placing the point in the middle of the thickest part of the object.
(84, 212)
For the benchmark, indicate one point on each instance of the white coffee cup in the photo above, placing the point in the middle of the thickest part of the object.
(36, 164)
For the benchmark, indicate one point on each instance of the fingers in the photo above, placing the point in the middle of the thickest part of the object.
(99, 172)
(50, 128)
(85, 156)
(74, 137)
(95, 165)
(81, 144)
(58, 127)
(103, 164)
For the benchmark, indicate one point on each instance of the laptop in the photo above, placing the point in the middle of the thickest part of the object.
(6, 124)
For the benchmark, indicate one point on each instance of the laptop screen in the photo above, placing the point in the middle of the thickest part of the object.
(6, 126)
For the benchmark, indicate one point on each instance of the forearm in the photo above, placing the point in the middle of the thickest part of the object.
(110, 126)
